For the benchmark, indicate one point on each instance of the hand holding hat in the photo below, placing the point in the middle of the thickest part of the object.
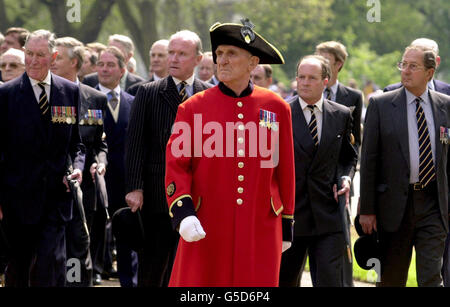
(191, 230)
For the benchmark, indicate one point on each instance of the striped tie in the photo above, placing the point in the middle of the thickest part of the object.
(327, 93)
(183, 92)
(427, 171)
(313, 126)
(43, 103)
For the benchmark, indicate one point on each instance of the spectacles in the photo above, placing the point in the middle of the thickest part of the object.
(412, 66)
(12, 65)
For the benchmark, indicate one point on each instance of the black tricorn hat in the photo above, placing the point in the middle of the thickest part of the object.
(244, 37)
(367, 251)
(127, 227)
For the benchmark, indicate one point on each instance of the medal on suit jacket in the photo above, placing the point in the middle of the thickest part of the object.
(268, 119)
(92, 117)
(63, 115)
(444, 135)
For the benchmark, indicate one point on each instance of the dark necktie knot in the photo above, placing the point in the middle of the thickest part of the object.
(311, 107)
(113, 101)
(327, 93)
(183, 92)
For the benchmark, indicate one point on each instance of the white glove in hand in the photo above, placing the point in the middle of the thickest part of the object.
(286, 246)
(191, 230)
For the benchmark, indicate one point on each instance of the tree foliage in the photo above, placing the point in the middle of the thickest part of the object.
(294, 26)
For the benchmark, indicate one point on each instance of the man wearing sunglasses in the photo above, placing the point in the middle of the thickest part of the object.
(404, 173)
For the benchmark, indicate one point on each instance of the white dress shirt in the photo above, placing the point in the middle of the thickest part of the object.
(37, 89)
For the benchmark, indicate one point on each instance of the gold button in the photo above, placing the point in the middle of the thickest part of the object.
(241, 164)
(179, 203)
(239, 201)
(240, 104)
(241, 152)
(241, 178)
(241, 116)
(240, 190)
(241, 140)
(241, 127)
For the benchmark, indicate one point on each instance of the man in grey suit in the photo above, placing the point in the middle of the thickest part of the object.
(151, 119)
(404, 173)
(323, 155)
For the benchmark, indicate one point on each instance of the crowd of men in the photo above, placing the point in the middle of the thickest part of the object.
(75, 116)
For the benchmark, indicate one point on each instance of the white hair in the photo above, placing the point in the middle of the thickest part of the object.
(426, 43)
(189, 35)
(125, 41)
(17, 53)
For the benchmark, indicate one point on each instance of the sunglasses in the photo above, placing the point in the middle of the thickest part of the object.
(12, 65)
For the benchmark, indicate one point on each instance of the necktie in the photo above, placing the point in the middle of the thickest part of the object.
(113, 101)
(313, 127)
(183, 92)
(327, 93)
(43, 103)
(427, 171)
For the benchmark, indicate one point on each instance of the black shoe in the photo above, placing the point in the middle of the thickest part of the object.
(97, 280)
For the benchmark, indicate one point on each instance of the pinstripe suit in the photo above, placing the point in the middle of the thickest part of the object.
(151, 119)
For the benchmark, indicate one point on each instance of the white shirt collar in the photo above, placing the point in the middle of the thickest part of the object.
(410, 97)
(189, 81)
(106, 90)
(318, 104)
(431, 85)
(156, 78)
(47, 80)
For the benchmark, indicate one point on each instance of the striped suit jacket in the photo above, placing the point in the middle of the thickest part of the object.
(152, 116)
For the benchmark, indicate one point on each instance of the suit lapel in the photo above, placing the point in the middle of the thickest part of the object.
(341, 95)
(170, 94)
(302, 136)
(400, 121)
(26, 96)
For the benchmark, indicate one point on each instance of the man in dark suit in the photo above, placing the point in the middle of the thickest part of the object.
(323, 155)
(92, 109)
(38, 116)
(444, 88)
(433, 84)
(111, 67)
(404, 173)
(336, 54)
(158, 64)
(126, 46)
(151, 120)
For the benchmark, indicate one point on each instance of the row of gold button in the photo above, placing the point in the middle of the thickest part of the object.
(241, 153)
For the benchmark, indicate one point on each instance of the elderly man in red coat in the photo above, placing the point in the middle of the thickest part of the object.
(230, 171)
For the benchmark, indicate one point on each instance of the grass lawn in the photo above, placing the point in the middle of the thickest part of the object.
(371, 276)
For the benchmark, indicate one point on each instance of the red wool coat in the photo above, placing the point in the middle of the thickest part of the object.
(239, 201)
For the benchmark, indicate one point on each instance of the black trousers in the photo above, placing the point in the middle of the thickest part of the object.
(326, 254)
(157, 257)
(77, 247)
(38, 253)
(421, 228)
